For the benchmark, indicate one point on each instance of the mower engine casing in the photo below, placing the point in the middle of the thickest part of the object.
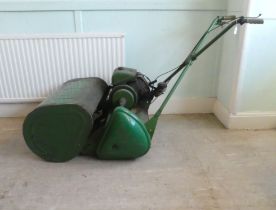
(129, 89)
(121, 133)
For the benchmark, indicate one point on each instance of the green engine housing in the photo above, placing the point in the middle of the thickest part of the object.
(129, 89)
(123, 94)
(123, 75)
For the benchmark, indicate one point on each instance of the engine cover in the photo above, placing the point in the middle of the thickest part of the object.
(129, 88)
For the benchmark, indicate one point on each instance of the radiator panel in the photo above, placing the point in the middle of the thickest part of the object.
(32, 67)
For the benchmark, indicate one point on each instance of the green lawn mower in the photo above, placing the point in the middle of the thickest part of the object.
(87, 116)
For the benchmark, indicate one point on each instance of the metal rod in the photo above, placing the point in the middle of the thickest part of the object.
(215, 38)
(164, 103)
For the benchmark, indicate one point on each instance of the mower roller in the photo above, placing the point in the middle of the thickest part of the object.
(87, 116)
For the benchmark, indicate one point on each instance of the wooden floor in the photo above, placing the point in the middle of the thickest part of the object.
(194, 163)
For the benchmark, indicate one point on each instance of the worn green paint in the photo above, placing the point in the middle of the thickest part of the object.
(122, 76)
(57, 133)
(58, 129)
(125, 137)
(123, 97)
(151, 124)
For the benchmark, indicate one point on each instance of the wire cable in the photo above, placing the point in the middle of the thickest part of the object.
(221, 25)
(165, 73)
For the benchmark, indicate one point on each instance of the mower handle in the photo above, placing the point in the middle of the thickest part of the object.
(231, 20)
(253, 20)
(197, 51)
(243, 20)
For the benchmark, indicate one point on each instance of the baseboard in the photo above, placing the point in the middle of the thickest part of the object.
(16, 109)
(175, 106)
(184, 105)
(252, 121)
(256, 120)
(244, 120)
(221, 113)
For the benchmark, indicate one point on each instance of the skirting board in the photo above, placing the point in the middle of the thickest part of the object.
(175, 106)
(179, 106)
(244, 120)
(184, 105)
(16, 109)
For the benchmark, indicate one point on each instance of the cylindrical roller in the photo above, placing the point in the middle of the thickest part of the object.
(59, 127)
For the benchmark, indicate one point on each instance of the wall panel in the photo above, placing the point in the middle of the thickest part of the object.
(158, 33)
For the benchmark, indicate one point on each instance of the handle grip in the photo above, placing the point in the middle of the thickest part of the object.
(254, 20)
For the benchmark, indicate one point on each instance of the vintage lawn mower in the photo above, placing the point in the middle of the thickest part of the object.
(87, 116)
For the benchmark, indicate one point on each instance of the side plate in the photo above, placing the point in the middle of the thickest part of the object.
(125, 137)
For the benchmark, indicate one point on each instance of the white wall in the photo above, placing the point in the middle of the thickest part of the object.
(258, 78)
(246, 87)
(159, 34)
(231, 57)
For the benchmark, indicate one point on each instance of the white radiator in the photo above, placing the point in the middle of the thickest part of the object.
(32, 67)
